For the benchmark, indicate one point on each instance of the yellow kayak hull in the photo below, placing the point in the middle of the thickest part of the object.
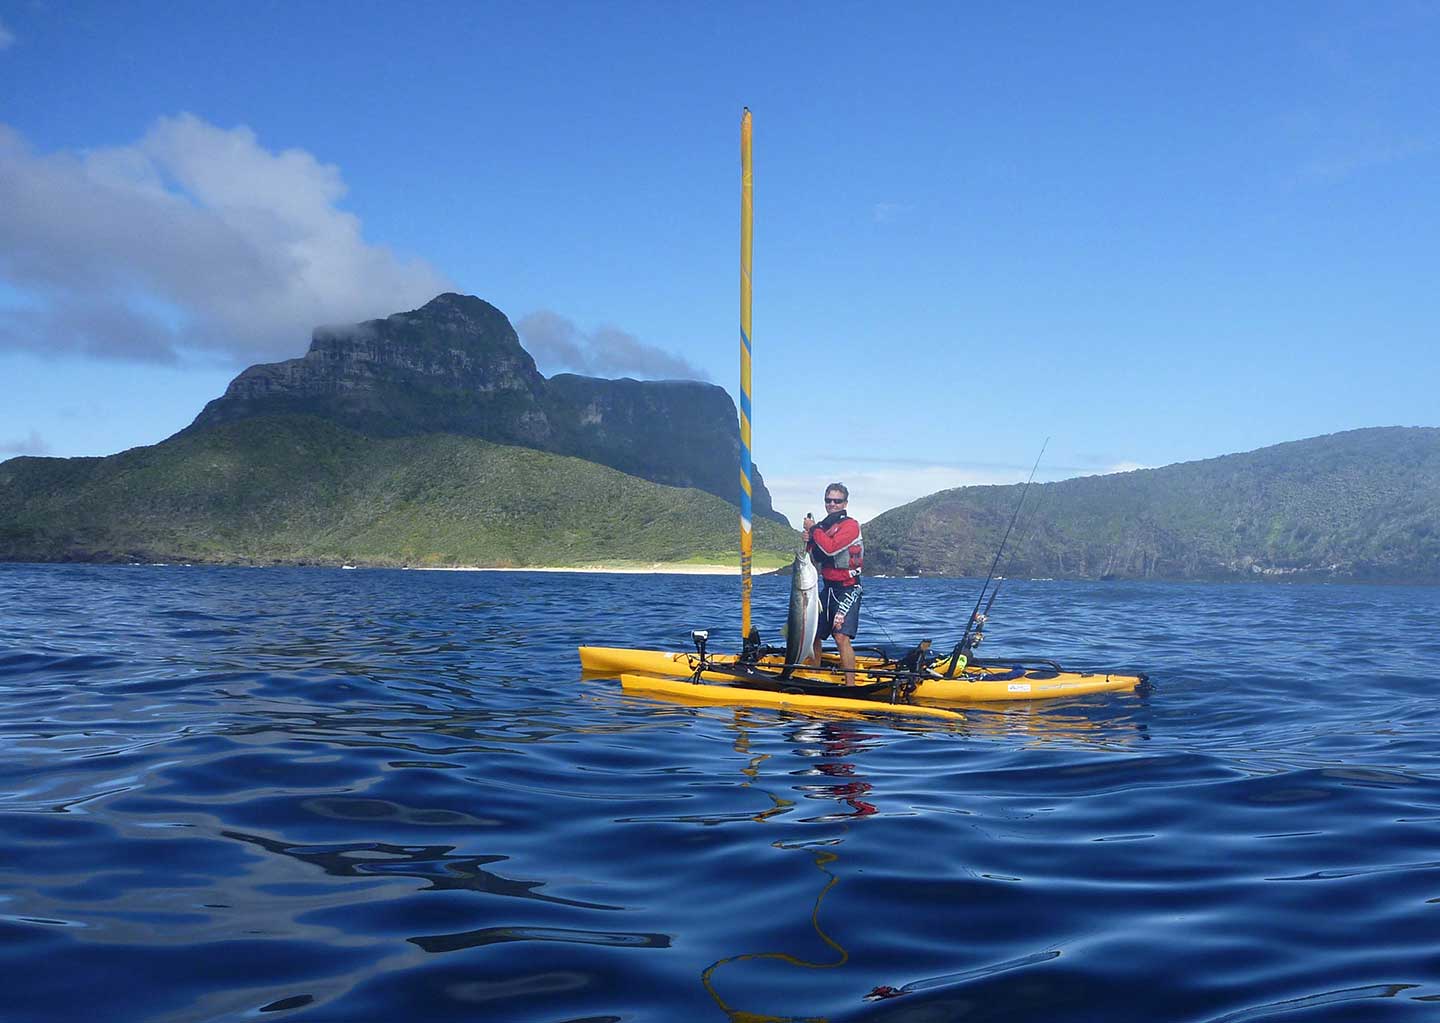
(703, 693)
(973, 685)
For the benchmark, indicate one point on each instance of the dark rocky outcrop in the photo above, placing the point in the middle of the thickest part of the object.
(457, 366)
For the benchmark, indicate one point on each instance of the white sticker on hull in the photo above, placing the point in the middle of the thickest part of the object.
(1018, 687)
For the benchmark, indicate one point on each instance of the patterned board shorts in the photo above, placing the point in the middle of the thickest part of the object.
(845, 600)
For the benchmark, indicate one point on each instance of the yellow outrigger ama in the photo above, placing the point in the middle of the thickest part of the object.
(745, 696)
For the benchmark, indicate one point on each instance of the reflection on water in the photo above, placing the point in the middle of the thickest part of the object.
(429, 863)
(372, 796)
(830, 742)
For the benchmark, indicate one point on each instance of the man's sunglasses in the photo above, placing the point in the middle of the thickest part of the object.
(836, 500)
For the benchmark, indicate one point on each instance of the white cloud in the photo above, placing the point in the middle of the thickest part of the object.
(31, 445)
(7, 38)
(873, 491)
(194, 238)
(887, 484)
(888, 212)
(558, 344)
(1346, 160)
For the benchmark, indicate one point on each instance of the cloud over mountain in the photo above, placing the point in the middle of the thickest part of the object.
(194, 238)
(558, 344)
(33, 444)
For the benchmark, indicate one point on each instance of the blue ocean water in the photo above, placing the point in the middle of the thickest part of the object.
(309, 794)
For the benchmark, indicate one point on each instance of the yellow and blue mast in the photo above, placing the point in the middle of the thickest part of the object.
(746, 489)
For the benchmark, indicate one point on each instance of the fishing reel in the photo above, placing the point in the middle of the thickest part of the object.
(978, 636)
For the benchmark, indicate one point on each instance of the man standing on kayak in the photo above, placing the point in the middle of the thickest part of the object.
(835, 546)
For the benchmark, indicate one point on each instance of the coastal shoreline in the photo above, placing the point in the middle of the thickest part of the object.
(659, 568)
(628, 568)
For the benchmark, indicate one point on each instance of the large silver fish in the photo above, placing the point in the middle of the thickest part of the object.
(804, 619)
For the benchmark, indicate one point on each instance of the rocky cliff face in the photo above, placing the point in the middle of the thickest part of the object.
(456, 366)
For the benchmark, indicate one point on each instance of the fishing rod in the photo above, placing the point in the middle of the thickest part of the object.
(970, 625)
(1031, 526)
(1027, 532)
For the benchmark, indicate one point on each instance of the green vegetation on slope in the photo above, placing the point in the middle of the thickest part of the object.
(297, 489)
(1358, 505)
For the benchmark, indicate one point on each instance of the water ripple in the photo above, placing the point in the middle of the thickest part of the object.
(326, 795)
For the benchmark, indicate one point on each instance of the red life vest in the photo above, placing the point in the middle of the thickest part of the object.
(839, 550)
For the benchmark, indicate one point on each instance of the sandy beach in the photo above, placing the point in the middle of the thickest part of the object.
(658, 568)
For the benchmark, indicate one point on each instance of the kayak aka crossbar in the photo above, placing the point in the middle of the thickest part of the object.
(750, 678)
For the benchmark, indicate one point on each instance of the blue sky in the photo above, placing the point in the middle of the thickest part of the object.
(1151, 232)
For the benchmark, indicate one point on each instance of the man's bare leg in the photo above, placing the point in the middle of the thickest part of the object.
(847, 656)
